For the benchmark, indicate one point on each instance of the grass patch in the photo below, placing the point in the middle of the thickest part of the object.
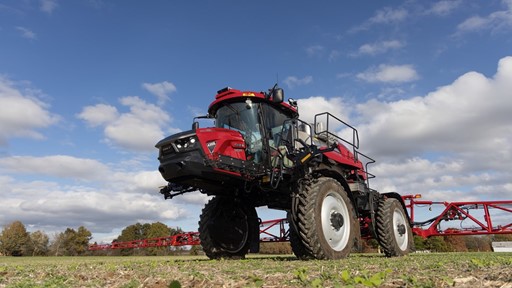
(358, 270)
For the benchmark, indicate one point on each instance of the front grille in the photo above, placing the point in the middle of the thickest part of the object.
(167, 149)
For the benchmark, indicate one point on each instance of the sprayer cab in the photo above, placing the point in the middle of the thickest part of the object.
(234, 150)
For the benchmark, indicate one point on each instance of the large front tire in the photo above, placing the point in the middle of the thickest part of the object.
(327, 220)
(226, 228)
(394, 233)
(299, 249)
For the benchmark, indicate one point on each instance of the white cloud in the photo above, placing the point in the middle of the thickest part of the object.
(21, 115)
(311, 106)
(137, 181)
(334, 55)
(136, 130)
(99, 114)
(422, 176)
(26, 33)
(114, 199)
(390, 93)
(444, 7)
(383, 16)
(61, 166)
(389, 74)
(48, 6)
(473, 23)
(451, 144)
(161, 90)
(465, 125)
(379, 47)
(388, 15)
(471, 112)
(495, 22)
(441, 180)
(194, 198)
(293, 81)
(315, 50)
(53, 206)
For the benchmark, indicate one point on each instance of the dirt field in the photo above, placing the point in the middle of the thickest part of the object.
(359, 270)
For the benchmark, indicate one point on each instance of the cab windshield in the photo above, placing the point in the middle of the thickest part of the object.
(243, 117)
(274, 121)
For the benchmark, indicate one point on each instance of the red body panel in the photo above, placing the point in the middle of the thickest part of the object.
(345, 157)
(227, 142)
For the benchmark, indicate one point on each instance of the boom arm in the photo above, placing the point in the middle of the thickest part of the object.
(461, 211)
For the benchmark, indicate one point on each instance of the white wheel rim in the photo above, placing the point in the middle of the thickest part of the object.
(337, 238)
(399, 220)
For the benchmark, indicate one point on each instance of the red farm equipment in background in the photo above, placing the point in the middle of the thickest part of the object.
(474, 217)
(192, 238)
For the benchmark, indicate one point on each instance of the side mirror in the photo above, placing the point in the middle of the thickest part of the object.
(278, 95)
(195, 125)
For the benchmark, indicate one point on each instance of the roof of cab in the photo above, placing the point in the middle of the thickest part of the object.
(229, 94)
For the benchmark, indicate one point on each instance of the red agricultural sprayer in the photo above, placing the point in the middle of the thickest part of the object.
(260, 153)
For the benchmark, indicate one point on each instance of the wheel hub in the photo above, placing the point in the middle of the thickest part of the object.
(401, 229)
(337, 220)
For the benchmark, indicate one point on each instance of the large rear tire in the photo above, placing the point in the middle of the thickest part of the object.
(394, 233)
(327, 220)
(226, 228)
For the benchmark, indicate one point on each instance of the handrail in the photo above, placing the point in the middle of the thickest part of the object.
(355, 135)
(370, 161)
(354, 143)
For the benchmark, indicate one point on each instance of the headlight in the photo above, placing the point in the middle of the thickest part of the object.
(185, 144)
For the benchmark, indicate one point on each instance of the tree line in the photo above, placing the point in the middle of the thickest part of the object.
(16, 241)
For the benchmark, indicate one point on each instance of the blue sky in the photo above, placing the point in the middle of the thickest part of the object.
(88, 87)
